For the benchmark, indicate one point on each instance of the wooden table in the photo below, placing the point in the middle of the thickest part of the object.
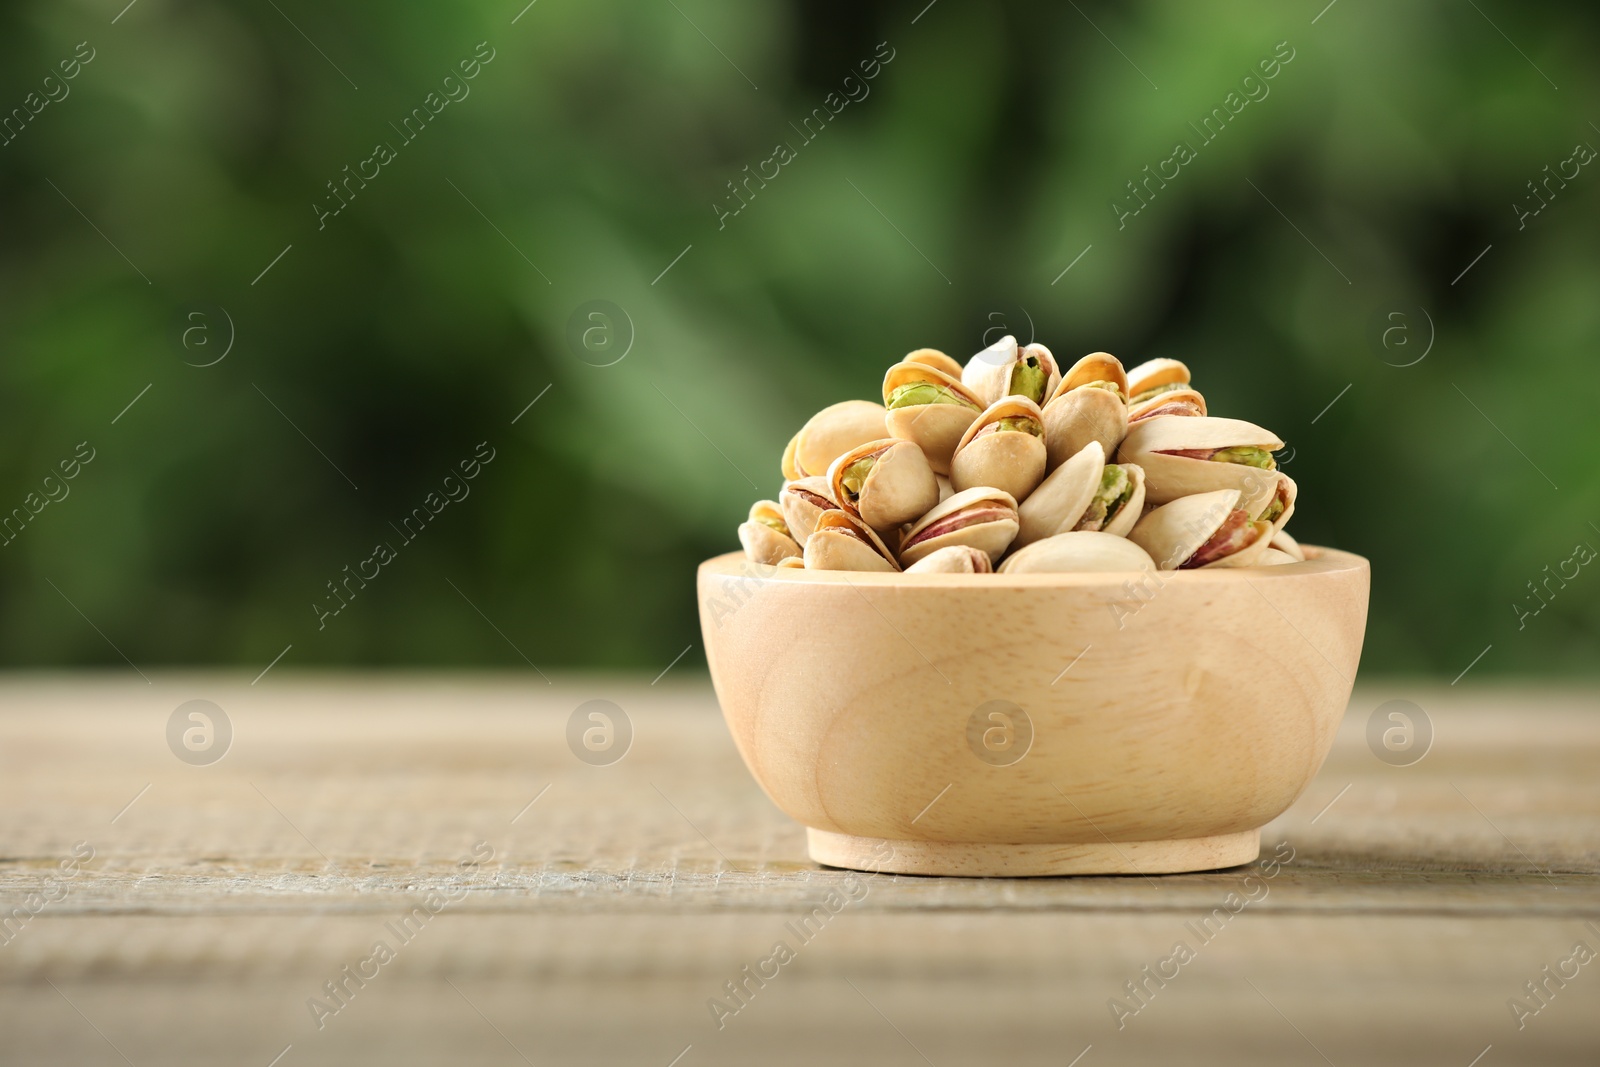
(611, 904)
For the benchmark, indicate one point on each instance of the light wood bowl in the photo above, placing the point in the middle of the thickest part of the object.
(1170, 719)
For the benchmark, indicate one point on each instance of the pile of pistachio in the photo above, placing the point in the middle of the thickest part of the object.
(1009, 464)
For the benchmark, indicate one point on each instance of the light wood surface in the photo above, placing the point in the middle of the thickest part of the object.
(1417, 901)
(1038, 723)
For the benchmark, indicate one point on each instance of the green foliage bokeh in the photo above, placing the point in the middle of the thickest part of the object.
(597, 145)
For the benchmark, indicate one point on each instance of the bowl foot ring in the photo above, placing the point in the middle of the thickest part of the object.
(981, 860)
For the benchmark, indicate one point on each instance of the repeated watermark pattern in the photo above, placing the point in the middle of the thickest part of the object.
(452, 489)
(853, 90)
(1253, 87)
(1140, 991)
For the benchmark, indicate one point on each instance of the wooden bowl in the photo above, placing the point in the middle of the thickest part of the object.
(1034, 724)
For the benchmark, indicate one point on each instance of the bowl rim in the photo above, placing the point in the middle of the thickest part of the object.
(1319, 561)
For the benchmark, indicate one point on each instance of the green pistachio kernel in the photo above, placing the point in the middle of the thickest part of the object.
(1115, 490)
(1110, 387)
(916, 394)
(1248, 455)
(777, 524)
(1274, 509)
(1028, 378)
(1017, 424)
(855, 476)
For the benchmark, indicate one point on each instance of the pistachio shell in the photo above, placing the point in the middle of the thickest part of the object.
(932, 357)
(1010, 460)
(988, 374)
(1061, 499)
(1095, 367)
(796, 562)
(1272, 557)
(946, 490)
(1288, 545)
(1075, 417)
(835, 429)
(1169, 477)
(1125, 519)
(802, 501)
(1258, 493)
(935, 428)
(953, 559)
(1154, 373)
(1185, 401)
(1174, 532)
(790, 471)
(899, 487)
(770, 513)
(763, 544)
(1078, 550)
(842, 542)
(992, 535)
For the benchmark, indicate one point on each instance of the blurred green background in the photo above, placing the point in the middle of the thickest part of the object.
(591, 153)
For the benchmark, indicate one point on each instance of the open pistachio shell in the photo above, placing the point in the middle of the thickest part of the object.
(831, 432)
(1062, 498)
(770, 513)
(1273, 557)
(1003, 448)
(842, 542)
(1155, 374)
(1175, 533)
(802, 501)
(983, 518)
(1090, 404)
(796, 562)
(1079, 550)
(1167, 477)
(946, 490)
(932, 357)
(936, 427)
(953, 559)
(763, 544)
(1269, 496)
(1084, 493)
(1003, 370)
(1288, 545)
(1183, 401)
(886, 483)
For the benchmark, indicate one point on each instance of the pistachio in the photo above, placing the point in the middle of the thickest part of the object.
(932, 357)
(1004, 448)
(1084, 493)
(1090, 404)
(1078, 551)
(1202, 530)
(953, 559)
(981, 518)
(886, 483)
(763, 544)
(842, 542)
(928, 408)
(1003, 369)
(802, 501)
(1183, 455)
(829, 433)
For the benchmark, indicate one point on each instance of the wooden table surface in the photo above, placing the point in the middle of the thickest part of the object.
(568, 913)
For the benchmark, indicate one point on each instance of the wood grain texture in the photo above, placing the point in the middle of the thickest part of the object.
(1149, 710)
(1418, 901)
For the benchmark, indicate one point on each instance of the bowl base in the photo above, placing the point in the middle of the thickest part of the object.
(979, 860)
